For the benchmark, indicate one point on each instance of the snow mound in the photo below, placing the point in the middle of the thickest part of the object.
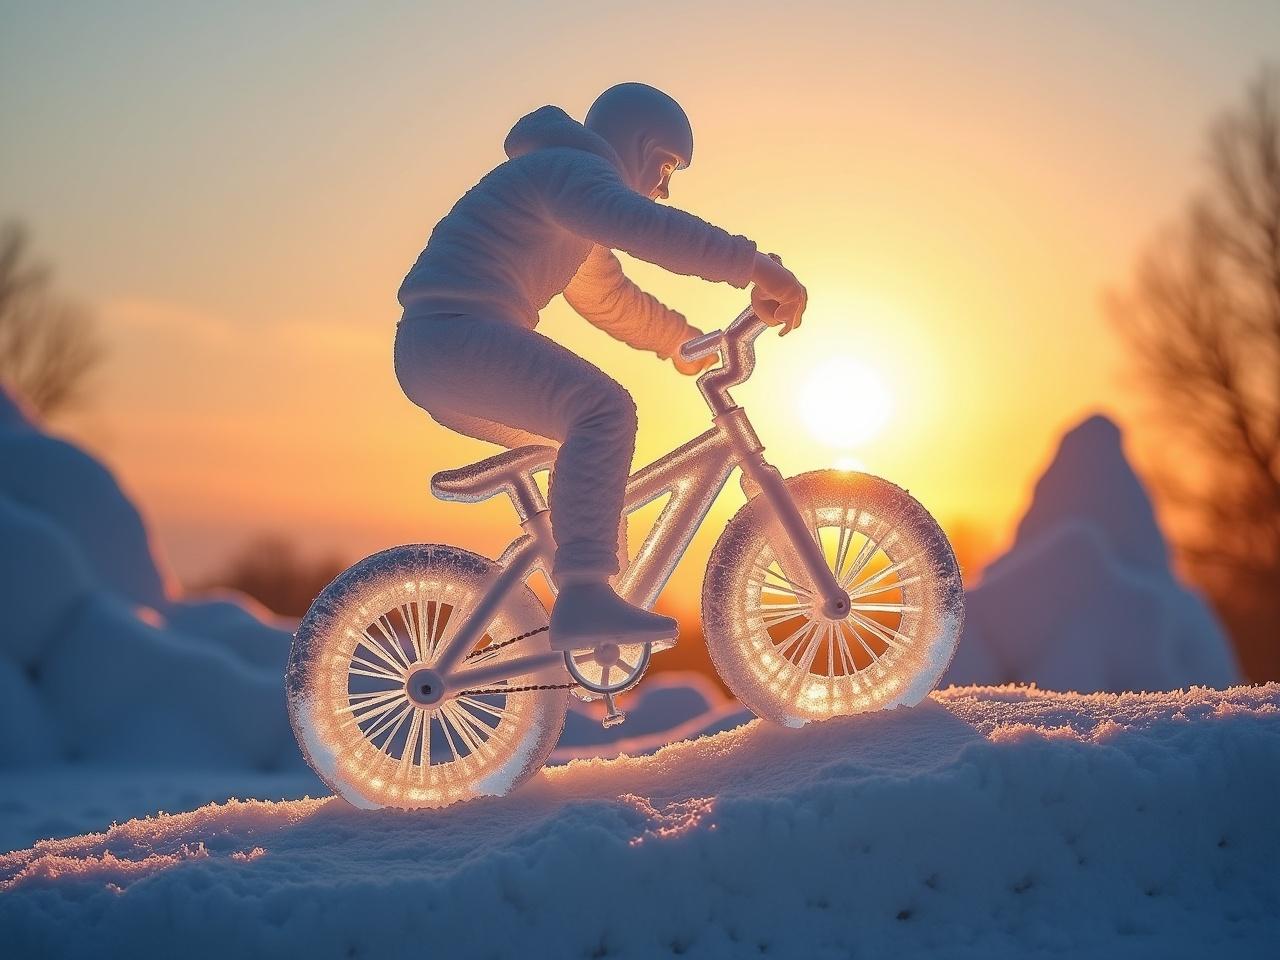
(985, 822)
(1086, 599)
(98, 662)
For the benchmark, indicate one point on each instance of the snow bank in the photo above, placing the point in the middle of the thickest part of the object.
(98, 662)
(985, 822)
(1085, 599)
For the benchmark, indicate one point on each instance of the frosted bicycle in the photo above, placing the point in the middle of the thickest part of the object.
(422, 675)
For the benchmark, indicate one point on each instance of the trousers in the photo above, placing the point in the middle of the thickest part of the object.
(497, 381)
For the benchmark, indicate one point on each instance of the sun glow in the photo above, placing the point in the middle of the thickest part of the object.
(845, 404)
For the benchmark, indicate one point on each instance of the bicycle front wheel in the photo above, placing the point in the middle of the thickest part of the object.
(763, 620)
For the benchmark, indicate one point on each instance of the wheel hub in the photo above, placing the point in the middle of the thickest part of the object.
(836, 608)
(607, 654)
(424, 687)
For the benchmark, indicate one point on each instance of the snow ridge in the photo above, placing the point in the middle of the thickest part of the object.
(985, 822)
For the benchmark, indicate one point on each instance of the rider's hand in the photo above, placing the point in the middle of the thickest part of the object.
(778, 298)
(691, 368)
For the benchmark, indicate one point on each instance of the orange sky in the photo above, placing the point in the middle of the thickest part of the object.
(239, 192)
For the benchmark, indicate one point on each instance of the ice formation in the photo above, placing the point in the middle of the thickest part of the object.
(1085, 599)
(986, 822)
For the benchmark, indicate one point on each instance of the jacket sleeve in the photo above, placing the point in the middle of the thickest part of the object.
(603, 294)
(589, 198)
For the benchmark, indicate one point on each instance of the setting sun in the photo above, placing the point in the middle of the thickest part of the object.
(846, 403)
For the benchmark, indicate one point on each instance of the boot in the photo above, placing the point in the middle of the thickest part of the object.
(588, 613)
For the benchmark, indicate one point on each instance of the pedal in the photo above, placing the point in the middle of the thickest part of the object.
(613, 716)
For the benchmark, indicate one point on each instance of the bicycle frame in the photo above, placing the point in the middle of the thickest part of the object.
(693, 476)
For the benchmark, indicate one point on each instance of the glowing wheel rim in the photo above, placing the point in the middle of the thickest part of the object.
(766, 634)
(360, 684)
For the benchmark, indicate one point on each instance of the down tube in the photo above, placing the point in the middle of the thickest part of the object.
(694, 474)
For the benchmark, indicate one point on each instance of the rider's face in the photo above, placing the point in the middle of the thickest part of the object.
(655, 175)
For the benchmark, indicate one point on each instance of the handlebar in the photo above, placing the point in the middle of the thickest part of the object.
(736, 345)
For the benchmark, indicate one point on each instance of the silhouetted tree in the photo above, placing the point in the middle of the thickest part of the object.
(1203, 317)
(47, 345)
(270, 570)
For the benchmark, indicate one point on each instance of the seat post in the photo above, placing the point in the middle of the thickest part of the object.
(525, 496)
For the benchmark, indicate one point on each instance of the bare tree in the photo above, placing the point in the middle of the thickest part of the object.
(270, 569)
(1203, 317)
(47, 345)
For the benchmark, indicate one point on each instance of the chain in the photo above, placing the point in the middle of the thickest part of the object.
(525, 689)
(506, 643)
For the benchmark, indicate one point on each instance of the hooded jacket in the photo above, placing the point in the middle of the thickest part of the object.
(546, 221)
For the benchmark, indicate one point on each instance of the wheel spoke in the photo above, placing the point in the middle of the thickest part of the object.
(444, 725)
(884, 587)
(392, 717)
(398, 676)
(865, 553)
(875, 658)
(886, 607)
(786, 584)
(794, 639)
(393, 641)
(810, 651)
(891, 569)
(406, 758)
(375, 712)
(406, 614)
(626, 666)
(377, 676)
(842, 545)
(431, 629)
(846, 655)
(376, 649)
(581, 658)
(395, 728)
(371, 701)
(773, 619)
(464, 724)
(887, 634)
(424, 745)
(498, 713)
(604, 674)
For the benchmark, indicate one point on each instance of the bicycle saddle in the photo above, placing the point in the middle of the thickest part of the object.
(503, 473)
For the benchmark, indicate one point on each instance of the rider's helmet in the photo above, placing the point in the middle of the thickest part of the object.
(634, 116)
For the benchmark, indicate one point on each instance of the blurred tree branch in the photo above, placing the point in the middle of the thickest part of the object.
(270, 569)
(47, 344)
(1203, 319)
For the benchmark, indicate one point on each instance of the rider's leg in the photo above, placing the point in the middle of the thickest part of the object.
(465, 370)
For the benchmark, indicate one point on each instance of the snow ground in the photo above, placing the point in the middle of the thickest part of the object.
(42, 801)
(985, 822)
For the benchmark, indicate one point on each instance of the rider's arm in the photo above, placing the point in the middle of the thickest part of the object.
(608, 299)
(589, 198)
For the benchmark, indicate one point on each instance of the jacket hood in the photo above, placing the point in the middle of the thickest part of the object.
(550, 126)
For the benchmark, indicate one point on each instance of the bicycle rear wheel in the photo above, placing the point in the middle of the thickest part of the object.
(371, 636)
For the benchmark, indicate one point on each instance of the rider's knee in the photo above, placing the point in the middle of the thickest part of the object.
(610, 407)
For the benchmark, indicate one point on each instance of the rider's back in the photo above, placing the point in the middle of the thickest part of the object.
(518, 237)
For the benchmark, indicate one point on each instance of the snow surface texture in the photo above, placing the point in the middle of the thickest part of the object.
(1085, 599)
(985, 822)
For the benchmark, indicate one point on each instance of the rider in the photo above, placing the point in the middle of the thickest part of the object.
(545, 222)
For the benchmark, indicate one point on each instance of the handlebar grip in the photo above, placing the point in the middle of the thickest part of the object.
(702, 346)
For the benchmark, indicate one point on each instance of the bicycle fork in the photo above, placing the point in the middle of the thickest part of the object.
(768, 479)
